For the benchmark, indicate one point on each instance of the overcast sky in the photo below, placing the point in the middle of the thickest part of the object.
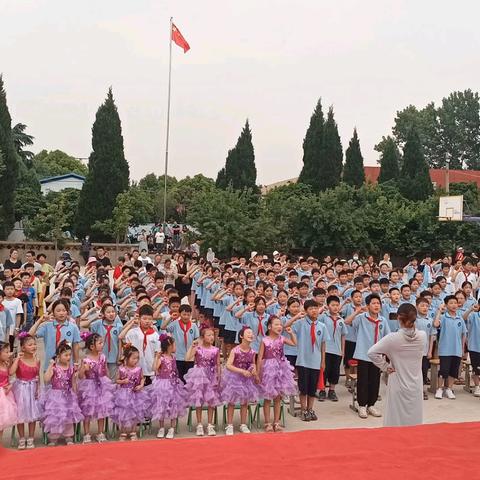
(266, 60)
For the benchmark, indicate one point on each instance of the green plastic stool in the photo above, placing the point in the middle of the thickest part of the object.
(237, 407)
(258, 408)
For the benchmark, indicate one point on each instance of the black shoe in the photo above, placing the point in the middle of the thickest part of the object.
(332, 396)
(425, 395)
(313, 416)
(306, 416)
(322, 395)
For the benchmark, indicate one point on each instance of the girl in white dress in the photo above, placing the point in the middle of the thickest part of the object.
(400, 355)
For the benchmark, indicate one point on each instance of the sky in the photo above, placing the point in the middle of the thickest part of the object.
(265, 60)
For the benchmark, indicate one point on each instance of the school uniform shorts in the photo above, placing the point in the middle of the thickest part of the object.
(349, 351)
(332, 368)
(475, 361)
(229, 336)
(449, 366)
(308, 380)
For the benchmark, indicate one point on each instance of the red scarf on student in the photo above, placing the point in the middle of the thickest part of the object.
(313, 336)
(185, 328)
(58, 333)
(377, 327)
(260, 326)
(334, 320)
(2, 308)
(147, 332)
(108, 336)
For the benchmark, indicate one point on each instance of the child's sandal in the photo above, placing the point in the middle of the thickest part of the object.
(133, 437)
(268, 427)
(123, 437)
(277, 427)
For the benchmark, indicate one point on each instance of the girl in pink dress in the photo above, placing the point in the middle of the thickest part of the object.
(26, 368)
(95, 389)
(275, 371)
(203, 380)
(8, 407)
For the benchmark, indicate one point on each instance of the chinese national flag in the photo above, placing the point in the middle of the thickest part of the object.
(177, 37)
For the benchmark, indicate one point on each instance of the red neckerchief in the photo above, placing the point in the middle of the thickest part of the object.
(334, 320)
(260, 326)
(147, 332)
(377, 327)
(2, 308)
(108, 336)
(313, 336)
(185, 327)
(58, 333)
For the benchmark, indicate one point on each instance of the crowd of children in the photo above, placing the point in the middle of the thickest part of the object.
(142, 343)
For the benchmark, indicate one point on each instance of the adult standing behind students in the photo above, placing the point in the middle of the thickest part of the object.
(404, 350)
(13, 262)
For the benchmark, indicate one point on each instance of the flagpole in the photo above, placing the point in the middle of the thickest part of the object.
(168, 127)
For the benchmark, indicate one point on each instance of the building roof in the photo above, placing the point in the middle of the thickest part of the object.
(62, 177)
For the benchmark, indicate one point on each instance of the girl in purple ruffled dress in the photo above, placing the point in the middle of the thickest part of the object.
(95, 389)
(26, 368)
(203, 380)
(168, 397)
(8, 407)
(59, 404)
(275, 372)
(131, 403)
(239, 382)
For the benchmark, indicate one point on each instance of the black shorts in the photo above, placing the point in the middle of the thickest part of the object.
(449, 366)
(475, 361)
(197, 302)
(208, 312)
(307, 380)
(147, 381)
(349, 351)
(425, 367)
(292, 359)
(332, 368)
(183, 367)
(216, 321)
(229, 337)
(221, 330)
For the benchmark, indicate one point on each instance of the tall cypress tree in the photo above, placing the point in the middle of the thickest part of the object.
(313, 149)
(353, 172)
(240, 171)
(108, 172)
(389, 159)
(8, 168)
(331, 166)
(415, 182)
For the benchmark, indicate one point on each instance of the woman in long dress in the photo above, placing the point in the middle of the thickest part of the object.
(400, 355)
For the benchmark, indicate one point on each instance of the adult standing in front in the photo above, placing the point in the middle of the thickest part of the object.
(404, 349)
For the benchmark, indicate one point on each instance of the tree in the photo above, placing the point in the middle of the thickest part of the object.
(55, 163)
(28, 194)
(313, 150)
(389, 159)
(108, 172)
(9, 172)
(331, 166)
(240, 171)
(21, 139)
(415, 182)
(353, 172)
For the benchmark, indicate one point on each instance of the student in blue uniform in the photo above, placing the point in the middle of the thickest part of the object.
(356, 302)
(335, 347)
(311, 337)
(425, 322)
(255, 317)
(370, 327)
(451, 341)
(472, 317)
(390, 308)
(293, 309)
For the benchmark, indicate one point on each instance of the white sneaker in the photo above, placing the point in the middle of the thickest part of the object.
(200, 431)
(229, 430)
(211, 430)
(476, 392)
(244, 428)
(30, 443)
(170, 433)
(22, 443)
(161, 432)
(450, 394)
(87, 439)
(439, 393)
(362, 412)
(374, 412)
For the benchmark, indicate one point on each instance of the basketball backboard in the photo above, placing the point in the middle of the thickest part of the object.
(451, 208)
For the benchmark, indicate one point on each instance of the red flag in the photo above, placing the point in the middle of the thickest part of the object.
(177, 37)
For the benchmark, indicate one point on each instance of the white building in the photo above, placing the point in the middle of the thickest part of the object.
(57, 184)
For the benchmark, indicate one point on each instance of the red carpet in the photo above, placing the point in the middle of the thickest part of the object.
(444, 451)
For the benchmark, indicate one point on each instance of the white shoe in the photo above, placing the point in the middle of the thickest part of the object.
(170, 433)
(439, 393)
(200, 431)
(211, 430)
(30, 443)
(229, 430)
(362, 412)
(87, 439)
(374, 412)
(161, 432)
(244, 428)
(21, 444)
(450, 394)
(476, 392)
(101, 438)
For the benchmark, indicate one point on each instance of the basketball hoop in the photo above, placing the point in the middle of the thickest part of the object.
(450, 209)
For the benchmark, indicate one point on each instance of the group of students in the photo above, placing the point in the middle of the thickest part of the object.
(221, 333)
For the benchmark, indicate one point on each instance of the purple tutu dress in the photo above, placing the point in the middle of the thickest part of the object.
(59, 403)
(167, 393)
(8, 407)
(236, 388)
(277, 373)
(202, 380)
(25, 391)
(95, 391)
(129, 406)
